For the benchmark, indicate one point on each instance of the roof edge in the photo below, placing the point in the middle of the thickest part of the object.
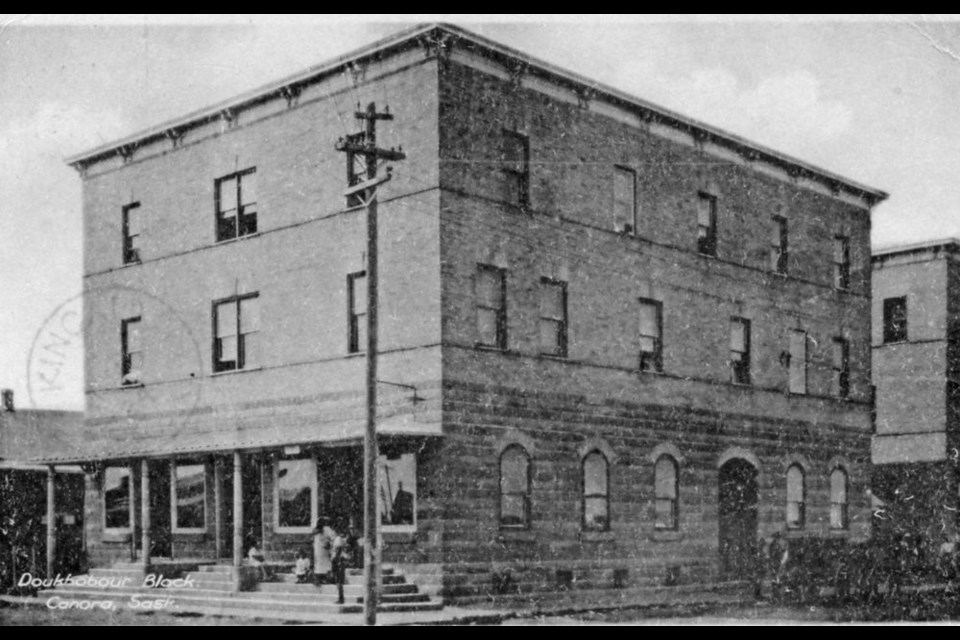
(533, 64)
(949, 244)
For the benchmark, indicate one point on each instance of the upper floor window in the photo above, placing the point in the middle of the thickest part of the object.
(357, 312)
(778, 245)
(624, 200)
(516, 168)
(707, 224)
(666, 493)
(740, 350)
(132, 225)
(236, 326)
(553, 317)
(841, 367)
(796, 497)
(838, 499)
(841, 262)
(596, 492)
(236, 196)
(131, 348)
(798, 361)
(491, 294)
(651, 335)
(514, 488)
(895, 319)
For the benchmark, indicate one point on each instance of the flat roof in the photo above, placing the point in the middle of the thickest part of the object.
(462, 37)
(950, 244)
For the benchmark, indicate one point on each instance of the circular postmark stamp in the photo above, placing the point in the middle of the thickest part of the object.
(134, 355)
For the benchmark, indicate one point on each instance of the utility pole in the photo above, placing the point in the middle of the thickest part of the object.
(363, 189)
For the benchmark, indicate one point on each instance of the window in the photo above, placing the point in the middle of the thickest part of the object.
(841, 367)
(553, 317)
(236, 196)
(398, 491)
(357, 312)
(895, 319)
(295, 495)
(740, 350)
(796, 497)
(778, 245)
(596, 492)
(514, 488)
(707, 224)
(190, 497)
(838, 499)
(131, 347)
(491, 307)
(132, 226)
(624, 200)
(841, 262)
(236, 326)
(798, 361)
(117, 497)
(666, 492)
(516, 168)
(651, 333)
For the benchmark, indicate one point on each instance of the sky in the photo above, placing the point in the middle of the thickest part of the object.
(873, 98)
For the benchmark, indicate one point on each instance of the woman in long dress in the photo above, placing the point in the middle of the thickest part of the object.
(323, 537)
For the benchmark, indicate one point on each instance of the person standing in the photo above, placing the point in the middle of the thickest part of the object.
(323, 537)
(339, 560)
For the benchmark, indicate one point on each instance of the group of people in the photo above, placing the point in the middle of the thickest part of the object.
(798, 569)
(333, 552)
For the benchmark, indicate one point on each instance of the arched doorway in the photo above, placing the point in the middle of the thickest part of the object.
(738, 499)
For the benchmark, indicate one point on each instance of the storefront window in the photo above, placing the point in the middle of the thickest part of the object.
(295, 486)
(191, 494)
(117, 493)
(398, 490)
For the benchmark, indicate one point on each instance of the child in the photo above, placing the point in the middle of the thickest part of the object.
(255, 559)
(302, 568)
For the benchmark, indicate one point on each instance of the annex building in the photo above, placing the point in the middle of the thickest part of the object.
(916, 369)
(617, 346)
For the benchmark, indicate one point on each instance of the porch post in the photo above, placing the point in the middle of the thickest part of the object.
(218, 504)
(237, 510)
(145, 512)
(51, 521)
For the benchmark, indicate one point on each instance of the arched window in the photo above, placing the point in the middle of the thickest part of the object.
(596, 493)
(838, 499)
(666, 493)
(514, 488)
(796, 497)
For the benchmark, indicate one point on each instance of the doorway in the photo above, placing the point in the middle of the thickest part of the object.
(738, 506)
(160, 533)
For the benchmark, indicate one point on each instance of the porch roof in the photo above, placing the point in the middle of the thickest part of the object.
(246, 436)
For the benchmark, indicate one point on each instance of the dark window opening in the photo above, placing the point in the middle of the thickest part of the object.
(516, 168)
(740, 350)
(895, 319)
(651, 335)
(236, 329)
(491, 297)
(236, 197)
(357, 312)
(132, 227)
(553, 317)
(707, 224)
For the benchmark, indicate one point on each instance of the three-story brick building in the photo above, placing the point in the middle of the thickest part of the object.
(617, 346)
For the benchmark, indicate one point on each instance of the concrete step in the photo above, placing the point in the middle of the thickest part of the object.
(348, 589)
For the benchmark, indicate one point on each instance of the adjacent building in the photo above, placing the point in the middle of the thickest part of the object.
(30, 493)
(617, 347)
(916, 367)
